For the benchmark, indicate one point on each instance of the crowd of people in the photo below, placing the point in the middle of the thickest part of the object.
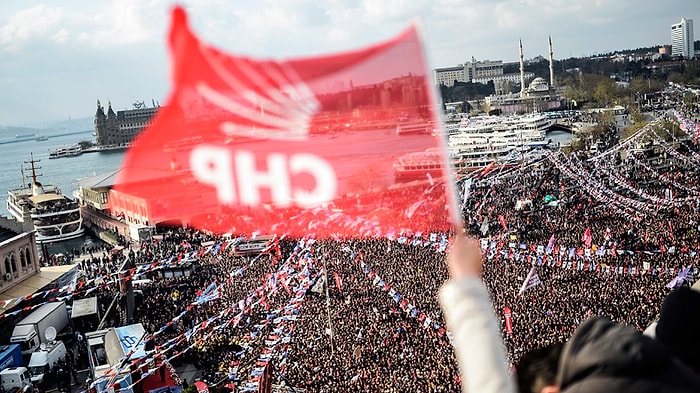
(605, 252)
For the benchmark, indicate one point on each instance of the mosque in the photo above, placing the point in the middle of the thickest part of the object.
(538, 96)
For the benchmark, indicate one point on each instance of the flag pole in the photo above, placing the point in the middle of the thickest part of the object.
(328, 305)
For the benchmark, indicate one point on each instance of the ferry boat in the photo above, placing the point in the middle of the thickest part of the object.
(524, 131)
(418, 166)
(446, 129)
(69, 151)
(464, 158)
(54, 216)
(430, 164)
(414, 128)
(477, 143)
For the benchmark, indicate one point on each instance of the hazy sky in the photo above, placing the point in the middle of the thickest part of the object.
(58, 57)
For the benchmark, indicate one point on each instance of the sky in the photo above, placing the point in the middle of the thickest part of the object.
(57, 58)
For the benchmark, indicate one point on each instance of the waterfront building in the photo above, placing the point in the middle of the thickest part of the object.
(683, 39)
(18, 249)
(20, 261)
(449, 75)
(95, 206)
(503, 78)
(471, 71)
(120, 128)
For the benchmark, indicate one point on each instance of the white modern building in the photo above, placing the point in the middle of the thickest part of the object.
(513, 78)
(683, 39)
(471, 71)
(448, 75)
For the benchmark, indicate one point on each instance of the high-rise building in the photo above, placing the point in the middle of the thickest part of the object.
(683, 39)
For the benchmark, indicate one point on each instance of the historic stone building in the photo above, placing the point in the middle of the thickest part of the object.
(18, 250)
(119, 129)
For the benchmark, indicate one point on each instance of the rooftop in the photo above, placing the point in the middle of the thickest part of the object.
(106, 179)
(6, 234)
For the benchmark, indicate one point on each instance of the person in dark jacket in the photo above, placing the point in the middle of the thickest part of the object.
(678, 324)
(602, 356)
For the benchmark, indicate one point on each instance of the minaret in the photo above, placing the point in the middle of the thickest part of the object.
(522, 71)
(551, 64)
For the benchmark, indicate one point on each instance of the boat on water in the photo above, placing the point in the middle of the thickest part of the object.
(41, 138)
(68, 151)
(477, 143)
(430, 164)
(524, 131)
(418, 166)
(414, 128)
(446, 129)
(54, 216)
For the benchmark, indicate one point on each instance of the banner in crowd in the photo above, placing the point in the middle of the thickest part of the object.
(508, 315)
(687, 274)
(332, 145)
(532, 280)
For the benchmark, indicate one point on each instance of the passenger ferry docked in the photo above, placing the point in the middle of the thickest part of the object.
(518, 131)
(429, 164)
(477, 143)
(69, 151)
(54, 216)
(414, 128)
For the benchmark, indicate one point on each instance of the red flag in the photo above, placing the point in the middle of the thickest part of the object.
(509, 319)
(338, 281)
(587, 239)
(503, 222)
(294, 146)
(486, 169)
(202, 387)
(670, 228)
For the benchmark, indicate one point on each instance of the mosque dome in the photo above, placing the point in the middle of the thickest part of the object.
(538, 84)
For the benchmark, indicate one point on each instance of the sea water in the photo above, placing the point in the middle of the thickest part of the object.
(62, 172)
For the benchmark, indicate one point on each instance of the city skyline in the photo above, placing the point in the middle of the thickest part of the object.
(59, 59)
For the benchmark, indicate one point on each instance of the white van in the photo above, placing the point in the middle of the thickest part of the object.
(45, 358)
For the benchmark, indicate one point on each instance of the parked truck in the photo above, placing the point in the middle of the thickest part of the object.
(16, 380)
(44, 359)
(30, 332)
(10, 356)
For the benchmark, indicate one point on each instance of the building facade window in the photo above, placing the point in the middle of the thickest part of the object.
(22, 261)
(7, 273)
(13, 265)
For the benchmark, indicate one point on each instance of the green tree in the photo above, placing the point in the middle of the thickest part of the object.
(605, 92)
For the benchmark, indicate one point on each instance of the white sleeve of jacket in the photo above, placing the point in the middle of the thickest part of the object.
(476, 337)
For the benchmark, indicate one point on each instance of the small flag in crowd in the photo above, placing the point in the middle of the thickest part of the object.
(503, 222)
(531, 280)
(486, 169)
(467, 189)
(550, 245)
(484, 226)
(685, 275)
(210, 293)
(587, 239)
(338, 281)
(202, 387)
